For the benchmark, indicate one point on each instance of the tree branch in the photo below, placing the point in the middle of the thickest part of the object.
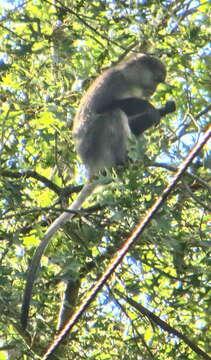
(33, 174)
(165, 326)
(196, 198)
(174, 169)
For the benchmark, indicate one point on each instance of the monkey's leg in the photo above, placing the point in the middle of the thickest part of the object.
(102, 142)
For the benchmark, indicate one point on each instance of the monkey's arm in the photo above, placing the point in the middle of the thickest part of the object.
(141, 114)
(63, 218)
(142, 121)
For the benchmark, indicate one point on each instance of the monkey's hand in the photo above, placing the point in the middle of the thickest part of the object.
(169, 107)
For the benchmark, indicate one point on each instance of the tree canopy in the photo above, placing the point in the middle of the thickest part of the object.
(156, 305)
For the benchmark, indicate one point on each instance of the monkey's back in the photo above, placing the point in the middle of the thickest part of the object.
(100, 94)
(96, 139)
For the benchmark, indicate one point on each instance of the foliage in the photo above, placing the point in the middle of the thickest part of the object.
(50, 51)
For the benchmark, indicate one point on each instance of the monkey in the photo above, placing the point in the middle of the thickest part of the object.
(101, 137)
(108, 114)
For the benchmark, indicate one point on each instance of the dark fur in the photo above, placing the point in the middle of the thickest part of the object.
(141, 114)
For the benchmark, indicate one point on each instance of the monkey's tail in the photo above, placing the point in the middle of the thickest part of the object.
(62, 219)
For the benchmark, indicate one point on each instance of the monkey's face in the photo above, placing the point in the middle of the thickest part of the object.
(150, 79)
(142, 75)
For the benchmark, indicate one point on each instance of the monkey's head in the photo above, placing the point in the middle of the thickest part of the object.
(145, 72)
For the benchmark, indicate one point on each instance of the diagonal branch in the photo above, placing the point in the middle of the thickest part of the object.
(165, 326)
